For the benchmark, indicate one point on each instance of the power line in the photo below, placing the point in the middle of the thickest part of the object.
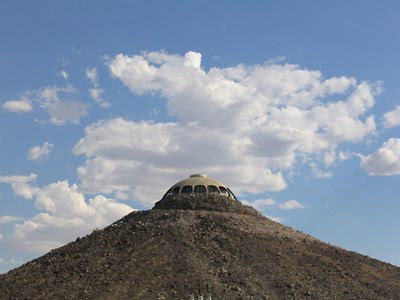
(360, 211)
(348, 196)
(343, 184)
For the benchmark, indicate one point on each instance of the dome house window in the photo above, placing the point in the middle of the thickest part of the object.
(200, 189)
(187, 189)
(213, 189)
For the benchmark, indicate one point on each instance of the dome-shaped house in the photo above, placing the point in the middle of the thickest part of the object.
(200, 184)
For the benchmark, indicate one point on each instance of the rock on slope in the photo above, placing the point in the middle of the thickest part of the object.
(200, 244)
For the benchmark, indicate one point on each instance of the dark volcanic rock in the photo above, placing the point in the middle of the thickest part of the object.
(200, 245)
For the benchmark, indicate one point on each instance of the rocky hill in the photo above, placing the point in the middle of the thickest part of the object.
(209, 245)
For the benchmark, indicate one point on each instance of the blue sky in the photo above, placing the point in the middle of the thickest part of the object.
(106, 104)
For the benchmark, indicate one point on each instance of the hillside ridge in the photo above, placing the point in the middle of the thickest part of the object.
(200, 245)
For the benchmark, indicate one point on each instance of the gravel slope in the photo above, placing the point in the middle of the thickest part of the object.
(200, 245)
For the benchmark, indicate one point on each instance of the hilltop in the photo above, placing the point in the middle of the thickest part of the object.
(200, 244)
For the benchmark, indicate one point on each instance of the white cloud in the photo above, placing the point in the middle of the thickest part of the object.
(40, 152)
(274, 102)
(344, 155)
(55, 100)
(21, 184)
(242, 124)
(385, 161)
(392, 118)
(290, 204)
(65, 214)
(138, 159)
(4, 261)
(9, 219)
(66, 112)
(64, 74)
(15, 261)
(260, 204)
(91, 74)
(19, 106)
(329, 158)
(276, 219)
(96, 93)
(61, 111)
(317, 173)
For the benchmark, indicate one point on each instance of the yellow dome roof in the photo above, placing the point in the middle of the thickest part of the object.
(200, 184)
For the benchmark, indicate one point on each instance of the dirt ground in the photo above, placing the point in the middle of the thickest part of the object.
(200, 245)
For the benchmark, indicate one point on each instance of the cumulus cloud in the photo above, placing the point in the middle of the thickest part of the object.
(246, 125)
(276, 103)
(96, 93)
(392, 118)
(9, 219)
(243, 124)
(385, 161)
(290, 204)
(63, 209)
(40, 151)
(250, 96)
(20, 184)
(141, 159)
(18, 106)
